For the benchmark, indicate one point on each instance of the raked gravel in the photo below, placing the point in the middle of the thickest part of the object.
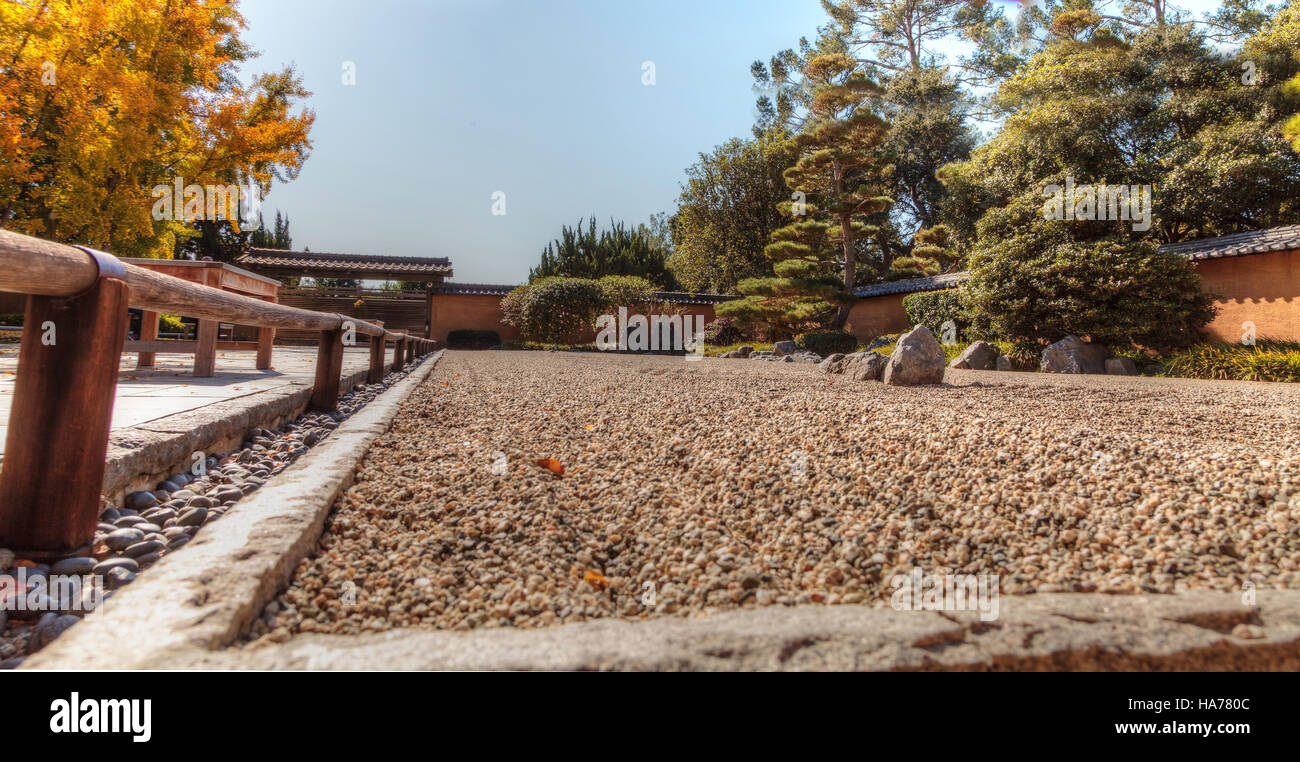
(724, 483)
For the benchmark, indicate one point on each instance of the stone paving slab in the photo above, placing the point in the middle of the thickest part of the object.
(147, 395)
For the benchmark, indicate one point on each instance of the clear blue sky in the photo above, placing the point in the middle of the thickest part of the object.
(541, 99)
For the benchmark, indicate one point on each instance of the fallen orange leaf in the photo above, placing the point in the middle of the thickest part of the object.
(596, 578)
(552, 465)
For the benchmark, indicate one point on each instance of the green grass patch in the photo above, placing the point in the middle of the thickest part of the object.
(1267, 360)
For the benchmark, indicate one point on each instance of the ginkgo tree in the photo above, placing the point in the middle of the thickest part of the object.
(101, 101)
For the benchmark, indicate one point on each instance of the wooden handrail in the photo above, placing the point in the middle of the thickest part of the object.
(64, 391)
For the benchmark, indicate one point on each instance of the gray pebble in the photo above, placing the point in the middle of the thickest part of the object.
(121, 538)
(104, 567)
(142, 548)
(193, 517)
(139, 501)
(78, 565)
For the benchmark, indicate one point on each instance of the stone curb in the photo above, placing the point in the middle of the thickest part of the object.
(141, 456)
(204, 596)
(1057, 631)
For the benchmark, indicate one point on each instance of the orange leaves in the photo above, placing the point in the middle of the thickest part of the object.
(597, 580)
(552, 465)
(88, 128)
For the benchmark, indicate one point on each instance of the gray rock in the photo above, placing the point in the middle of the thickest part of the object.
(1004, 363)
(980, 355)
(864, 366)
(139, 501)
(148, 559)
(160, 516)
(142, 548)
(119, 576)
(74, 566)
(52, 626)
(787, 358)
(192, 517)
(832, 364)
(1073, 355)
(1121, 366)
(917, 359)
(783, 348)
(123, 538)
(104, 567)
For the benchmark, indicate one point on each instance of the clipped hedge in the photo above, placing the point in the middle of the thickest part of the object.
(554, 310)
(827, 343)
(468, 338)
(932, 308)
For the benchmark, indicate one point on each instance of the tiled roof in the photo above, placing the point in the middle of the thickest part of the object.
(1238, 244)
(358, 262)
(928, 283)
(473, 289)
(683, 297)
(495, 289)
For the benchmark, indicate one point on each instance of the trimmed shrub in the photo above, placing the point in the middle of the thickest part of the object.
(629, 291)
(1038, 285)
(468, 338)
(554, 310)
(827, 343)
(722, 332)
(933, 308)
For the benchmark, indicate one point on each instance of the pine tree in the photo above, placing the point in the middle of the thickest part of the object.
(931, 250)
(841, 164)
(806, 289)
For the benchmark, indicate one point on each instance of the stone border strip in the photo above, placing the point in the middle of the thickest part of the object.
(141, 456)
(1196, 630)
(203, 598)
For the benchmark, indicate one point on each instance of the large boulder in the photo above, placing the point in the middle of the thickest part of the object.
(1073, 355)
(783, 348)
(1004, 363)
(978, 356)
(832, 364)
(740, 352)
(917, 359)
(864, 366)
(1121, 366)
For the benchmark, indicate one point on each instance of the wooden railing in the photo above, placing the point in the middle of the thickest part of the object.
(74, 328)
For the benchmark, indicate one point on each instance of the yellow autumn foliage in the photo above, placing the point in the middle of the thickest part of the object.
(103, 100)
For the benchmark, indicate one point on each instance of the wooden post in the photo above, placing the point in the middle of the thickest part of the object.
(265, 339)
(329, 368)
(376, 372)
(60, 419)
(205, 357)
(148, 332)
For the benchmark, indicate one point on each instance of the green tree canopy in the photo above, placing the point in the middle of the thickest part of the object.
(727, 211)
(620, 250)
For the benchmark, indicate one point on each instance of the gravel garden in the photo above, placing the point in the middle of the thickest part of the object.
(531, 489)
